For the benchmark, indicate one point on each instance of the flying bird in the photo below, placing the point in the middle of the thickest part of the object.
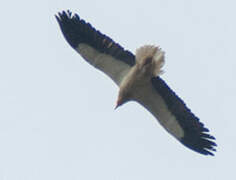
(138, 78)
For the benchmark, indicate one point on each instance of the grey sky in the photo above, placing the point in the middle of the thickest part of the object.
(57, 118)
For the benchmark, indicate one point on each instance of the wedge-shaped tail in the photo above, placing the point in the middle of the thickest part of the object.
(153, 54)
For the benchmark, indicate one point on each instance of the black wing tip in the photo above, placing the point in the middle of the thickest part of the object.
(64, 15)
(201, 143)
(68, 24)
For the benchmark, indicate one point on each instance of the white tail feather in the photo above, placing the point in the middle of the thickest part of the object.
(146, 52)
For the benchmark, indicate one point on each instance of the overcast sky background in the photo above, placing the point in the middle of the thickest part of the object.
(57, 118)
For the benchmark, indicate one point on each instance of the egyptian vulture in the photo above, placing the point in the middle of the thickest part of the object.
(138, 77)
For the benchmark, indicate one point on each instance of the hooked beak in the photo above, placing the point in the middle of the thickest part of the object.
(118, 103)
(116, 107)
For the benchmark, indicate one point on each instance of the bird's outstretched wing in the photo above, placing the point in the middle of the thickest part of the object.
(103, 53)
(176, 117)
(96, 48)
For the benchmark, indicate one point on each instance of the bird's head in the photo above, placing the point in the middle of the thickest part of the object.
(119, 102)
(123, 97)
